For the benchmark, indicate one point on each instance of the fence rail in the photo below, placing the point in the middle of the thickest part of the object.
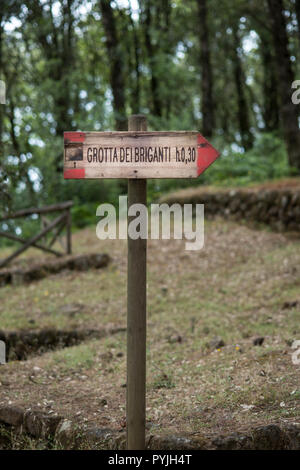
(57, 226)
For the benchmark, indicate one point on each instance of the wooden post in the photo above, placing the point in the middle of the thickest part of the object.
(69, 231)
(33, 240)
(136, 315)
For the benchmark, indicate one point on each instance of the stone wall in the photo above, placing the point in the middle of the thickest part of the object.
(65, 434)
(278, 208)
(13, 275)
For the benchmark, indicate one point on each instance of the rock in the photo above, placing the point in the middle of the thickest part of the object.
(103, 437)
(80, 263)
(233, 442)
(292, 431)
(11, 415)
(175, 339)
(99, 260)
(22, 344)
(269, 437)
(217, 343)
(65, 435)
(174, 443)
(272, 206)
(288, 305)
(258, 341)
(17, 277)
(41, 425)
(247, 407)
(39, 271)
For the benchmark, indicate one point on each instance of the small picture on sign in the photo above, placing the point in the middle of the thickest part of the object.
(75, 153)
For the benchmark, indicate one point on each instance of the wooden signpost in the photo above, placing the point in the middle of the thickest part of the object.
(136, 155)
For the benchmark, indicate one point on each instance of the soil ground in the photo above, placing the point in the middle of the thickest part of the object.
(243, 284)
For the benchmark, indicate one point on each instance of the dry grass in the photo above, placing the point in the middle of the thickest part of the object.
(234, 288)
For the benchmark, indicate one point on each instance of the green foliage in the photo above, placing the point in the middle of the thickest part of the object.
(58, 73)
(83, 215)
(267, 160)
(163, 381)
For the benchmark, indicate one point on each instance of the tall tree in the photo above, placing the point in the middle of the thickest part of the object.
(288, 111)
(239, 78)
(8, 175)
(270, 108)
(207, 104)
(297, 9)
(2, 19)
(114, 51)
(147, 20)
(135, 66)
(55, 38)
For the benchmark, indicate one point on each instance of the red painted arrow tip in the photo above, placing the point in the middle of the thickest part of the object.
(207, 154)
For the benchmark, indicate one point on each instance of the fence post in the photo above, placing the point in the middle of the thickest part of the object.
(69, 231)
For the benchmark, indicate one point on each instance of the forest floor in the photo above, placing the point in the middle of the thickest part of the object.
(244, 284)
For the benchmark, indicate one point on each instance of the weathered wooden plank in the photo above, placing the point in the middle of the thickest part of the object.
(38, 210)
(136, 316)
(180, 154)
(10, 236)
(57, 231)
(69, 233)
(32, 240)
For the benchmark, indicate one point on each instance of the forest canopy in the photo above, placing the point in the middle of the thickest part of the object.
(224, 68)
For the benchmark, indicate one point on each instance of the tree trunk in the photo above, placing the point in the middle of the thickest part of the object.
(114, 52)
(207, 105)
(270, 86)
(297, 9)
(156, 101)
(239, 77)
(63, 70)
(1, 78)
(58, 49)
(288, 111)
(135, 65)
(166, 34)
(4, 197)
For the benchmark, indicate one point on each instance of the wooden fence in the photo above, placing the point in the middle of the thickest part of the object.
(57, 225)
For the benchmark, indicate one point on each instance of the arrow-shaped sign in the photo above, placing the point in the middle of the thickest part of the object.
(136, 154)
